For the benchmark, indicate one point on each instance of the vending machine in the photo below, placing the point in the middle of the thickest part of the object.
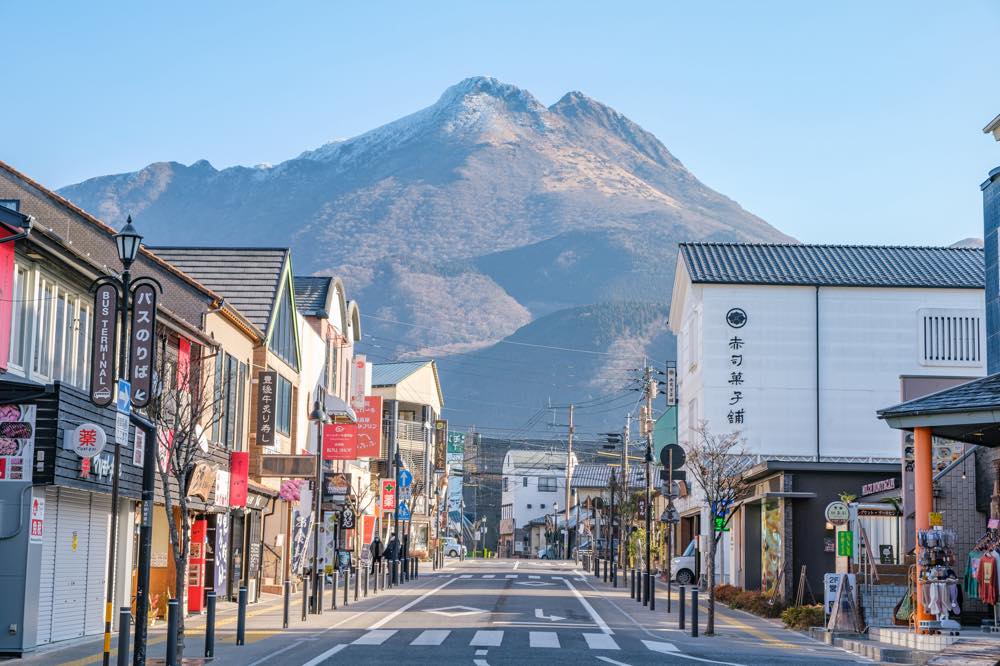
(197, 566)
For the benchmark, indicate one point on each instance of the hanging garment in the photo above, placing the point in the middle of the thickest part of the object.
(954, 606)
(971, 571)
(987, 577)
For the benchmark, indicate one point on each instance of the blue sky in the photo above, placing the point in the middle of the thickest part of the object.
(853, 122)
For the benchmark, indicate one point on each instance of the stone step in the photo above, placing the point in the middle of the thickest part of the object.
(880, 652)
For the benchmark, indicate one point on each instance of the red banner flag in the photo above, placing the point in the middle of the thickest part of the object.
(239, 473)
(340, 441)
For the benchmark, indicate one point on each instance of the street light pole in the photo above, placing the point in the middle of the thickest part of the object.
(611, 528)
(320, 416)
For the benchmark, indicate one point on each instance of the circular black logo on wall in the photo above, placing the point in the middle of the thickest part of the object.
(736, 318)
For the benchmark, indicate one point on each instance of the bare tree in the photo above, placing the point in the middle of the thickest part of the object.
(717, 463)
(184, 410)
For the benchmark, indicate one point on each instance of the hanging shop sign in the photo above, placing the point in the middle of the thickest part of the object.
(86, 440)
(845, 543)
(288, 466)
(347, 518)
(388, 495)
(440, 444)
(239, 477)
(102, 349)
(358, 381)
(671, 386)
(201, 481)
(736, 318)
(222, 488)
(100, 468)
(340, 441)
(302, 526)
(878, 487)
(935, 519)
(837, 513)
(142, 350)
(267, 380)
(17, 442)
(37, 520)
(336, 487)
(370, 428)
(456, 442)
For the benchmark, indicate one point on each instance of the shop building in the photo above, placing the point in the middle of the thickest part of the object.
(794, 346)
(533, 483)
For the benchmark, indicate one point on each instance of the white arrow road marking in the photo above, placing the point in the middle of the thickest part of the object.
(670, 648)
(540, 614)
(590, 609)
(455, 611)
(534, 583)
(600, 642)
(326, 655)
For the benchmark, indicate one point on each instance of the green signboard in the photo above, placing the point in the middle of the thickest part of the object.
(720, 524)
(845, 543)
(456, 442)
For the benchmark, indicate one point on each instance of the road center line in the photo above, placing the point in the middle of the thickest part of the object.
(392, 616)
(590, 609)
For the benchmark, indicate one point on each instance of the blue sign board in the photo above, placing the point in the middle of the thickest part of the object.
(123, 397)
(405, 478)
(404, 511)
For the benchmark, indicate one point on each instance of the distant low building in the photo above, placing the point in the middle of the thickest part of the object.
(533, 483)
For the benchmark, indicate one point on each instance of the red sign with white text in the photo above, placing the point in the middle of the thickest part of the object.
(239, 473)
(340, 441)
(388, 495)
(370, 428)
(367, 529)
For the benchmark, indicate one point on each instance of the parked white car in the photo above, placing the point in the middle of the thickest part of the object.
(452, 548)
(684, 567)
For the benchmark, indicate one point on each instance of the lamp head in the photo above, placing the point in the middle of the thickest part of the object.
(128, 241)
(317, 413)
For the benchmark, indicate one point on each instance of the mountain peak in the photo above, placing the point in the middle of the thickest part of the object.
(467, 91)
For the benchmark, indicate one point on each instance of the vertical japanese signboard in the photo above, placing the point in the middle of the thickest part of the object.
(358, 371)
(388, 495)
(370, 428)
(440, 444)
(102, 371)
(266, 382)
(239, 476)
(736, 318)
(141, 346)
(340, 441)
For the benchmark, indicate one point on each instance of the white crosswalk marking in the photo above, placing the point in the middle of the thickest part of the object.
(511, 576)
(535, 577)
(431, 637)
(600, 642)
(543, 639)
(489, 576)
(487, 639)
(466, 576)
(375, 637)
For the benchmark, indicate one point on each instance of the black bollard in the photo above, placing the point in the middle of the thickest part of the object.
(320, 584)
(395, 574)
(597, 567)
(172, 632)
(646, 578)
(305, 597)
(367, 574)
(357, 582)
(638, 585)
(124, 628)
(347, 584)
(241, 618)
(683, 601)
(631, 586)
(416, 568)
(605, 571)
(694, 612)
(210, 600)
(287, 604)
(614, 574)
(652, 592)
(670, 595)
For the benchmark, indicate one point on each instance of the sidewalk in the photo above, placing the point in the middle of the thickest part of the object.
(264, 620)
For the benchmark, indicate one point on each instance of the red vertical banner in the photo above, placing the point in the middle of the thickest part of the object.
(239, 475)
(370, 428)
(196, 568)
(184, 364)
(367, 529)
(6, 300)
(340, 441)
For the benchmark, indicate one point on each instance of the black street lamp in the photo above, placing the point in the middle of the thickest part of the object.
(555, 527)
(321, 418)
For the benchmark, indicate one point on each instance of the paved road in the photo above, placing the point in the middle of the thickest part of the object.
(508, 612)
(491, 613)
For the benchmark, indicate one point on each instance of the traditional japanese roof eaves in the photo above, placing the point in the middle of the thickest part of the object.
(834, 265)
(248, 278)
(597, 475)
(311, 294)
(390, 374)
(976, 395)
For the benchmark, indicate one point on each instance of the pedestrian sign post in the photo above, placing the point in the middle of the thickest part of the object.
(404, 511)
(405, 478)
(845, 543)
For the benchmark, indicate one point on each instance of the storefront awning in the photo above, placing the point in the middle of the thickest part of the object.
(336, 406)
(968, 412)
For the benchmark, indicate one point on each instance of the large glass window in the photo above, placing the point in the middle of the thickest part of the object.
(43, 334)
(547, 484)
(283, 408)
(20, 331)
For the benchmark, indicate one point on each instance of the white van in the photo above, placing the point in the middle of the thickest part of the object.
(684, 567)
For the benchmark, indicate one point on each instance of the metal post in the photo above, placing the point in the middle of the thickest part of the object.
(416, 568)
(347, 584)
(637, 572)
(694, 612)
(241, 618)
(631, 586)
(357, 582)
(652, 593)
(287, 602)
(210, 600)
(124, 620)
(319, 412)
(320, 585)
(145, 545)
(172, 632)
(680, 614)
(670, 594)
(336, 588)
(367, 574)
(605, 571)
(305, 597)
(646, 582)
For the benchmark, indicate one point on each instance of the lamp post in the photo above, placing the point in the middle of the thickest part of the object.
(611, 529)
(649, 516)
(576, 527)
(320, 417)
(437, 526)
(555, 527)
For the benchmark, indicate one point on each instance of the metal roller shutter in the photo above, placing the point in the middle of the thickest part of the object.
(48, 566)
(97, 561)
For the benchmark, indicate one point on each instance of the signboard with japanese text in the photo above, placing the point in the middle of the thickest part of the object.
(37, 520)
(86, 440)
(142, 347)
(17, 442)
(440, 444)
(102, 349)
(456, 442)
(671, 386)
(845, 543)
(388, 495)
(370, 428)
(239, 477)
(267, 381)
(121, 428)
(340, 441)
(222, 488)
(336, 487)
(302, 526)
(359, 369)
(736, 318)
(139, 452)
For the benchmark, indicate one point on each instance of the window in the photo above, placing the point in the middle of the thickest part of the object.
(506, 484)
(58, 345)
(691, 343)
(547, 484)
(528, 506)
(541, 506)
(283, 407)
(43, 334)
(218, 397)
(951, 337)
(282, 340)
(20, 316)
(13, 204)
(241, 401)
(524, 481)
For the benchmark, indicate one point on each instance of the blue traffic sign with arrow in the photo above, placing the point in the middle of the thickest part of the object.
(405, 478)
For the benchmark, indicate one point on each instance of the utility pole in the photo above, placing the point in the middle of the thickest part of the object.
(569, 478)
(647, 426)
(624, 486)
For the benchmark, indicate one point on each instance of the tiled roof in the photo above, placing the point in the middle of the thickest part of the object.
(834, 265)
(598, 475)
(311, 293)
(979, 394)
(390, 374)
(248, 278)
